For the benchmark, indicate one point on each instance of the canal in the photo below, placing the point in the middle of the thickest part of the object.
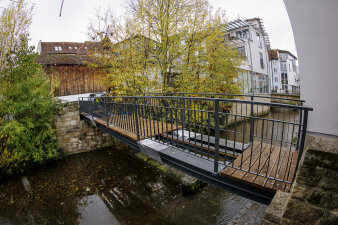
(110, 187)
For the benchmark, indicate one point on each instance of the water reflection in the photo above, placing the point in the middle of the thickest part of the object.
(268, 127)
(109, 187)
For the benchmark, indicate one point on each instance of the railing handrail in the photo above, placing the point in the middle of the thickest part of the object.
(140, 114)
(211, 99)
(222, 94)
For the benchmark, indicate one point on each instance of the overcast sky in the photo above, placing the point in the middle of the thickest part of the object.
(72, 25)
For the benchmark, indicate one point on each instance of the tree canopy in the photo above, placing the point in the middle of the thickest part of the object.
(166, 45)
(27, 106)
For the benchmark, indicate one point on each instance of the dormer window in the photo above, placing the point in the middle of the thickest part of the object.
(58, 48)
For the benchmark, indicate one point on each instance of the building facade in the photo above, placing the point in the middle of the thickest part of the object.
(284, 72)
(252, 42)
(66, 65)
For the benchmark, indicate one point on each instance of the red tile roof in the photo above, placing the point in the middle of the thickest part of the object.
(59, 47)
(63, 59)
(273, 54)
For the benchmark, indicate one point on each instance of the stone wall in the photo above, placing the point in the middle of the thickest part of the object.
(314, 195)
(77, 135)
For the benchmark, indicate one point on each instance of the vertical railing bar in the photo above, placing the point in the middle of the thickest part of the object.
(235, 138)
(195, 130)
(286, 174)
(261, 148)
(299, 127)
(243, 135)
(150, 109)
(201, 128)
(209, 133)
(267, 170)
(280, 149)
(302, 142)
(176, 122)
(157, 118)
(216, 103)
(252, 119)
(167, 126)
(171, 124)
(183, 121)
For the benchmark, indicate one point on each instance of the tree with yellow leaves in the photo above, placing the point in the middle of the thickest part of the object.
(166, 46)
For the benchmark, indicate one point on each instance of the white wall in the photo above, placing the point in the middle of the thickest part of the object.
(315, 28)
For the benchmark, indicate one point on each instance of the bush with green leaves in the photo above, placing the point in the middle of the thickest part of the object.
(27, 109)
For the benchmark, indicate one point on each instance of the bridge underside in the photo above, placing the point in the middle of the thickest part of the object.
(237, 176)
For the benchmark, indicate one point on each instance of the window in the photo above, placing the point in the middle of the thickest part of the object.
(261, 60)
(276, 79)
(242, 34)
(289, 67)
(58, 48)
(245, 34)
(275, 70)
(241, 51)
(259, 40)
(284, 78)
(75, 47)
(86, 47)
(70, 48)
(283, 56)
(238, 34)
(283, 66)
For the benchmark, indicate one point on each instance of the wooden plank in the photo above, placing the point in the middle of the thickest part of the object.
(258, 158)
(279, 159)
(288, 168)
(263, 167)
(232, 172)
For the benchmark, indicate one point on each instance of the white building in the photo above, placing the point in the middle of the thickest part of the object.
(251, 39)
(284, 72)
(317, 48)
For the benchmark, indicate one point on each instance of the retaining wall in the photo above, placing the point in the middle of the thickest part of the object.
(77, 135)
(314, 195)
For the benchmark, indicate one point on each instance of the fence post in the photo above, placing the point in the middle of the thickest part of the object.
(251, 120)
(216, 103)
(136, 119)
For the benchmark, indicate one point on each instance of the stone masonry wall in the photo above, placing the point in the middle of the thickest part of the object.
(77, 135)
(314, 195)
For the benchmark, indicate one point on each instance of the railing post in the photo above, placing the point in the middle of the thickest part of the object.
(251, 120)
(106, 109)
(183, 113)
(91, 108)
(299, 127)
(136, 119)
(216, 103)
(302, 141)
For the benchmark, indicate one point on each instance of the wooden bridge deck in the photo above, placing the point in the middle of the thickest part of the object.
(268, 160)
(148, 128)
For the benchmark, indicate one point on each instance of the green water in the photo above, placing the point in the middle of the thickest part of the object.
(109, 187)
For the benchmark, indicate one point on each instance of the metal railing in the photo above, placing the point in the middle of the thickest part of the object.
(261, 138)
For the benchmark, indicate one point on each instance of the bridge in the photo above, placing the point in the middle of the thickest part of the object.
(243, 143)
